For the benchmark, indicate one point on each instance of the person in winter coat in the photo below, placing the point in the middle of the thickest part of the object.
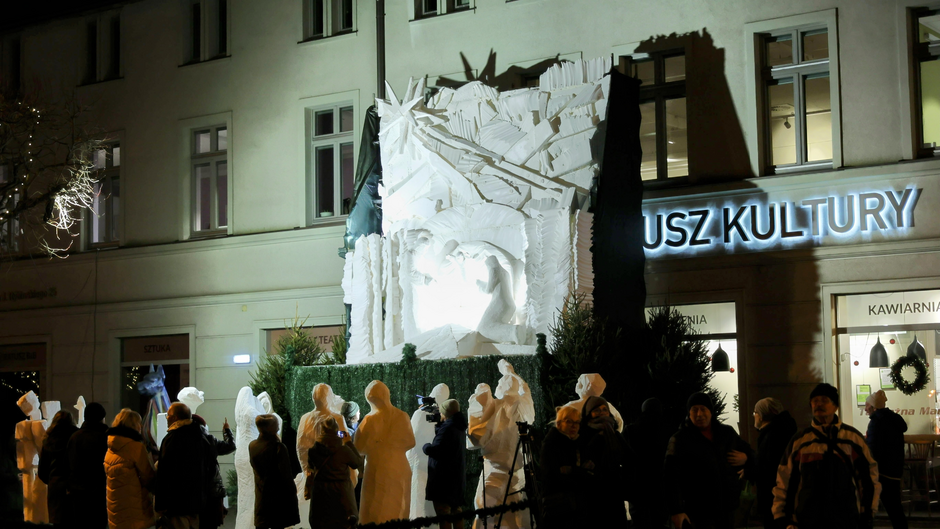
(701, 467)
(54, 465)
(604, 449)
(180, 487)
(214, 511)
(885, 438)
(130, 474)
(648, 438)
(87, 484)
(275, 493)
(563, 477)
(828, 478)
(351, 415)
(447, 463)
(332, 501)
(776, 427)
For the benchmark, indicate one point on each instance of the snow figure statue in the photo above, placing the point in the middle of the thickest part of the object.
(247, 407)
(191, 397)
(153, 385)
(492, 429)
(424, 433)
(29, 434)
(495, 324)
(325, 405)
(384, 436)
(80, 406)
(593, 385)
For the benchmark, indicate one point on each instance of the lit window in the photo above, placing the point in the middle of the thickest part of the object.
(102, 48)
(332, 162)
(105, 216)
(207, 35)
(926, 55)
(664, 119)
(210, 180)
(325, 18)
(433, 8)
(9, 227)
(797, 102)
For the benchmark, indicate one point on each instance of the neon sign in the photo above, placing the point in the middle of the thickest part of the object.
(783, 224)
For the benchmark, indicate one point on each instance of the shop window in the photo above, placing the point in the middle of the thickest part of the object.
(326, 18)
(433, 8)
(664, 118)
(105, 216)
(210, 180)
(926, 86)
(331, 160)
(171, 352)
(102, 48)
(22, 369)
(872, 332)
(207, 33)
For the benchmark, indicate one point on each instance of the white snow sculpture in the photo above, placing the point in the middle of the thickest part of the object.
(492, 429)
(474, 174)
(29, 434)
(49, 409)
(384, 436)
(191, 397)
(593, 385)
(247, 407)
(424, 433)
(80, 406)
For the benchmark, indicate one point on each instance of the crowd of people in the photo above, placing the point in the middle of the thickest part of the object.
(827, 475)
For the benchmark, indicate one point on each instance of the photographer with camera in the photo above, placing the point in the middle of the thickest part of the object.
(447, 462)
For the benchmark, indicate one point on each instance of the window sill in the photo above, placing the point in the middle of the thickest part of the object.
(814, 167)
(428, 18)
(203, 235)
(104, 246)
(217, 58)
(321, 222)
(103, 81)
(331, 38)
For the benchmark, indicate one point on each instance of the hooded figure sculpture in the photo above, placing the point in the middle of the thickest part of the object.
(247, 408)
(424, 433)
(492, 429)
(29, 434)
(325, 405)
(593, 385)
(384, 436)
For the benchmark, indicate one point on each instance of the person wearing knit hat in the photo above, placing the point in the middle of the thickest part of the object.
(350, 412)
(604, 447)
(701, 468)
(885, 438)
(275, 493)
(776, 427)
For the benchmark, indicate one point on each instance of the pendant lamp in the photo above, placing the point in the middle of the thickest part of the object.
(720, 360)
(916, 349)
(878, 356)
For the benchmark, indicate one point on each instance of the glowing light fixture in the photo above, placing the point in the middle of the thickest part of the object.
(242, 359)
(720, 360)
(916, 349)
(878, 356)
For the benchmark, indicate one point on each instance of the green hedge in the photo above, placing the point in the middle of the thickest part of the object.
(407, 379)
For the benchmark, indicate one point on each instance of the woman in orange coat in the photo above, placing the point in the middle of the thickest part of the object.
(130, 474)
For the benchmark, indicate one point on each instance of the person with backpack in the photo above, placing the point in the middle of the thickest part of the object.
(828, 477)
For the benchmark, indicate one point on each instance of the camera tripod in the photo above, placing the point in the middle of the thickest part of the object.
(524, 446)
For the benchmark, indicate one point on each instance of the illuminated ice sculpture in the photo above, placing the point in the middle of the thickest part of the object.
(483, 231)
(247, 408)
(29, 434)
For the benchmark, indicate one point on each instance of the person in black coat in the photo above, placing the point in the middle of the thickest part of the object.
(605, 452)
(332, 500)
(54, 465)
(87, 484)
(563, 478)
(776, 427)
(700, 471)
(885, 438)
(214, 511)
(180, 488)
(275, 492)
(447, 462)
(648, 438)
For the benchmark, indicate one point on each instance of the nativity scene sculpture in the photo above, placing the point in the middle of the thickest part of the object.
(484, 224)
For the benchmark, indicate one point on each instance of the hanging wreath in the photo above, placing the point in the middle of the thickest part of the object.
(920, 381)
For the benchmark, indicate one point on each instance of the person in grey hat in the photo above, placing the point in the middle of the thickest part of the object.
(350, 413)
(776, 427)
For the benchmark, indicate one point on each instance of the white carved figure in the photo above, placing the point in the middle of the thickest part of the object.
(492, 429)
(247, 407)
(191, 397)
(49, 409)
(80, 406)
(509, 172)
(424, 433)
(29, 434)
(593, 385)
(383, 438)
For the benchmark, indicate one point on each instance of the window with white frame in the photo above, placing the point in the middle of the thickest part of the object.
(332, 162)
(326, 18)
(104, 226)
(207, 30)
(433, 8)
(926, 86)
(9, 225)
(210, 180)
(103, 48)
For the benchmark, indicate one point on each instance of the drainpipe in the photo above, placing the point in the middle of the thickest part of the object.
(380, 48)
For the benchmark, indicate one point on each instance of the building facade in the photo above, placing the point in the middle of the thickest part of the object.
(788, 148)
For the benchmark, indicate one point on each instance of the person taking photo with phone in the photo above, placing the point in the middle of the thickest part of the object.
(332, 497)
